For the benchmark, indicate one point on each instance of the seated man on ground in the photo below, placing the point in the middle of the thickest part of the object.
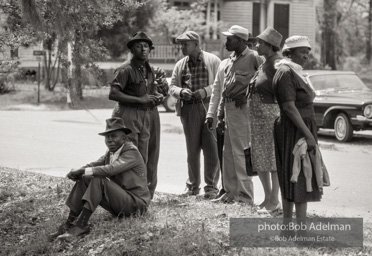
(116, 181)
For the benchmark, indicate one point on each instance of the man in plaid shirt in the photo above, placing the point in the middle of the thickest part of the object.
(191, 85)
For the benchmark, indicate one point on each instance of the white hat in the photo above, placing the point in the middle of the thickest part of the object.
(238, 31)
(295, 42)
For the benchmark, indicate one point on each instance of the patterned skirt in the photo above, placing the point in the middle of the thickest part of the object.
(262, 118)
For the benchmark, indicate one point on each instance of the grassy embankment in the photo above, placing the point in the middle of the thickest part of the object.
(32, 205)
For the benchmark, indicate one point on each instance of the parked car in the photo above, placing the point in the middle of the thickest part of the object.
(343, 102)
(169, 101)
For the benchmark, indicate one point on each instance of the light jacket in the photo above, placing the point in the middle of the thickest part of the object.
(216, 102)
(307, 161)
(211, 61)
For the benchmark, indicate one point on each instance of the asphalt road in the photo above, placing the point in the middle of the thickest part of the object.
(53, 142)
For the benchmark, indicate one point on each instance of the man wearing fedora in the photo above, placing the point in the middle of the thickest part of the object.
(238, 71)
(191, 85)
(116, 181)
(138, 88)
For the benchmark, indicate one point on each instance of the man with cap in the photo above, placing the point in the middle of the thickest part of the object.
(215, 107)
(191, 85)
(233, 117)
(139, 88)
(116, 181)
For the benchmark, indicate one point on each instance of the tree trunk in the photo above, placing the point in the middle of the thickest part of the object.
(78, 85)
(76, 90)
(369, 33)
(63, 48)
(329, 33)
(47, 70)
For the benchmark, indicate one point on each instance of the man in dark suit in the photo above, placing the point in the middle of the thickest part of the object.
(116, 181)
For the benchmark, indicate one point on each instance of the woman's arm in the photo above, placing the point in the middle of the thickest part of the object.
(291, 111)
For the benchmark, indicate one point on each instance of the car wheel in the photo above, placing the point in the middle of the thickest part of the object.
(343, 128)
(169, 104)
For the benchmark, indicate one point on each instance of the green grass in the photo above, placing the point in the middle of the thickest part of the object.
(32, 206)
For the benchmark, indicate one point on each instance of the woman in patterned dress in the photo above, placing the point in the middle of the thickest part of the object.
(263, 111)
(295, 98)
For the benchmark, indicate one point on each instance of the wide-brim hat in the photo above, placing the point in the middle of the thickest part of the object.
(140, 36)
(271, 36)
(238, 31)
(114, 124)
(295, 42)
(188, 36)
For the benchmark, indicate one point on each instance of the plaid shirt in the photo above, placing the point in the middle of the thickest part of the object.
(195, 75)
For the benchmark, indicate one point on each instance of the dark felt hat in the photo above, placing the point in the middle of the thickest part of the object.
(114, 124)
(140, 36)
(251, 38)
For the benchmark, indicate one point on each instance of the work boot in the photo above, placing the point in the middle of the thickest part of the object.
(74, 231)
(61, 230)
(210, 195)
(225, 199)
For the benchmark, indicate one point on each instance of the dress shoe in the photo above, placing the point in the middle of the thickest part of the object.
(63, 228)
(225, 199)
(276, 209)
(245, 200)
(221, 192)
(74, 231)
(207, 195)
(189, 192)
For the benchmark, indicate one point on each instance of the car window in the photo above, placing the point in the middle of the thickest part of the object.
(337, 82)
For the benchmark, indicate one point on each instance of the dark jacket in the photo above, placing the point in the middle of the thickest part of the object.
(128, 171)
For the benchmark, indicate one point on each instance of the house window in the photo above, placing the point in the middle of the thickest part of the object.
(256, 19)
(281, 20)
(181, 4)
(14, 53)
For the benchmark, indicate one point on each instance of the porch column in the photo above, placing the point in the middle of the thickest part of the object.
(263, 14)
(207, 36)
(215, 19)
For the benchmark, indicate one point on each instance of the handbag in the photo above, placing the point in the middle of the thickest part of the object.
(248, 162)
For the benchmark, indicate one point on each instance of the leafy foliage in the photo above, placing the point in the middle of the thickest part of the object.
(70, 21)
(173, 22)
(114, 36)
(346, 31)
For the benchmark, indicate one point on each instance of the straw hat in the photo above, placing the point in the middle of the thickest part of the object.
(238, 31)
(295, 42)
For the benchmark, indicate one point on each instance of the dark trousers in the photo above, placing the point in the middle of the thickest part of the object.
(91, 191)
(199, 138)
(220, 138)
(153, 152)
(139, 122)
